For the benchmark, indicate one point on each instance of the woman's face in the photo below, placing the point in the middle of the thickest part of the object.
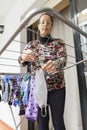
(45, 25)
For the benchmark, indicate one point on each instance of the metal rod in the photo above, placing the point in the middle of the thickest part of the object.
(19, 74)
(13, 118)
(37, 11)
(20, 121)
(77, 63)
(22, 74)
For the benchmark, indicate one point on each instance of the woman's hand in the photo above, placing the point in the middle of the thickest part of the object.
(50, 67)
(28, 55)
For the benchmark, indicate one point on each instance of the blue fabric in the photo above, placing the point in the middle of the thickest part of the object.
(25, 88)
(6, 78)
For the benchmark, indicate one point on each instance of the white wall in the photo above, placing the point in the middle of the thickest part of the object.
(72, 113)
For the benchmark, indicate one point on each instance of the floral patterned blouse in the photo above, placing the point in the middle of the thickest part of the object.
(49, 49)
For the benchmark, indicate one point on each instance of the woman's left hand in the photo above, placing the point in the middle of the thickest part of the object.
(50, 66)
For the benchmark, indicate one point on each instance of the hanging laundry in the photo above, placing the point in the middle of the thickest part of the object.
(16, 92)
(6, 91)
(22, 107)
(19, 90)
(11, 96)
(0, 90)
(25, 90)
(32, 108)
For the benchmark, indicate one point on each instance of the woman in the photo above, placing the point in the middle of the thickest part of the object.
(50, 55)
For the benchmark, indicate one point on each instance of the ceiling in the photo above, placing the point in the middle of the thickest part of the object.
(5, 6)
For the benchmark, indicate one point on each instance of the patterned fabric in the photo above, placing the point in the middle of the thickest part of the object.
(32, 108)
(51, 50)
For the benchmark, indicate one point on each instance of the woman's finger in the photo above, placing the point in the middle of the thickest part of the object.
(30, 57)
(44, 67)
(49, 66)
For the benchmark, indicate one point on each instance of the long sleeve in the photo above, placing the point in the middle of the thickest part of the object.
(28, 46)
(61, 54)
(22, 63)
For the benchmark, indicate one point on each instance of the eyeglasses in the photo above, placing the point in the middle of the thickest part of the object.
(45, 22)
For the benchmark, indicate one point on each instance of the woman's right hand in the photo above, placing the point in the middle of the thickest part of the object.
(28, 55)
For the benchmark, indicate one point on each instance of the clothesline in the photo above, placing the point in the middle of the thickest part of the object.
(20, 74)
(73, 64)
(26, 73)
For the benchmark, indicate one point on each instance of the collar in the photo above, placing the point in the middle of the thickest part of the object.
(45, 40)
